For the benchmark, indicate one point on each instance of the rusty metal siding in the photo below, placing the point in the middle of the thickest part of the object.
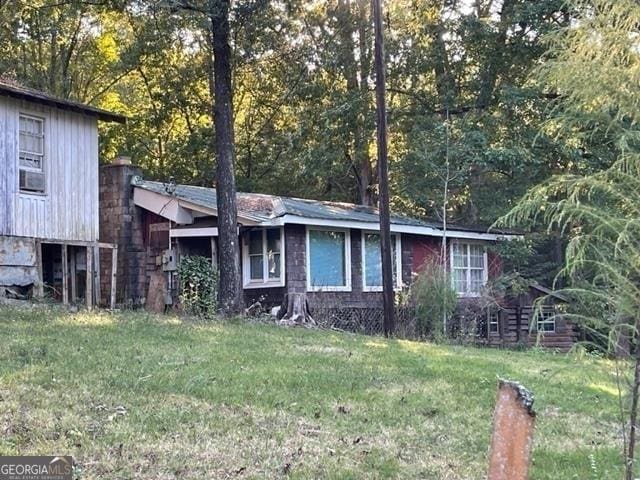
(69, 209)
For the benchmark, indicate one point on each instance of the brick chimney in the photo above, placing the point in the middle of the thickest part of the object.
(121, 222)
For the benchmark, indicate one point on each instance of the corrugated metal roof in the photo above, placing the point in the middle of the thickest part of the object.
(15, 90)
(343, 211)
(251, 205)
(265, 207)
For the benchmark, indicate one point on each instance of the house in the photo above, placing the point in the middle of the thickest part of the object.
(327, 250)
(49, 220)
(72, 231)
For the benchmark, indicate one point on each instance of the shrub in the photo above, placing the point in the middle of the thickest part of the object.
(434, 299)
(198, 286)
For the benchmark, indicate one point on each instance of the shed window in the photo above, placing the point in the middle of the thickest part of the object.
(328, 260)
(494, 321)
(468, 268)
(263, 257)
(372, 261)
(31, 154)
(546, 321)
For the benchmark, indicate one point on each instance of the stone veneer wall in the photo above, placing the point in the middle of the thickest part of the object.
(121, 222)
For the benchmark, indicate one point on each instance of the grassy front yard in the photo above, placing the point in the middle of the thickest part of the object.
(140, 396)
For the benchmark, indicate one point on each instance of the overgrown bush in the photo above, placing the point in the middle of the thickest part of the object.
(198, 286)
(434, 299)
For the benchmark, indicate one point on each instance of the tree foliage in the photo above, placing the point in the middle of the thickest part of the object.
(592, 65)
(303, 94)
(597, 212)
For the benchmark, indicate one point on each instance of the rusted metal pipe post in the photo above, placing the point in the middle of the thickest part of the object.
(512, 441)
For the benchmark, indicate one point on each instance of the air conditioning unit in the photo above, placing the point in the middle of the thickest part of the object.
(32, 181)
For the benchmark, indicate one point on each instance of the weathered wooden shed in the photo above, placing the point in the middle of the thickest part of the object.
(532, 317)
(49, 218)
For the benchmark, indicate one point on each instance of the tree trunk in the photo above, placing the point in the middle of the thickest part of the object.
(495, 59)
(367, 178)
(633, 414)
(230, 293)
(295, 310)
(352, 25)
(445, 81)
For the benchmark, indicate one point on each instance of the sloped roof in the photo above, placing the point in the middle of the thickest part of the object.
(343, 211)
(258, 206)
(13, 89)
(266, 207)
(541, 288)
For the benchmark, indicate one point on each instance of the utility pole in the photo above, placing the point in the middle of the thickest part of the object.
(383, 173)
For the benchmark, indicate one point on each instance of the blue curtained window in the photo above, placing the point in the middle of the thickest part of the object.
(327, 258)
(373, 260)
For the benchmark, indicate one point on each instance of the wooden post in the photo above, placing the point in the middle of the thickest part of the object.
(74, 276)
(214, 254)
(96, 275)
(40, 284)
(512, 439)
(114, 276)
(65, 274)
(383, 173)
(89, 280)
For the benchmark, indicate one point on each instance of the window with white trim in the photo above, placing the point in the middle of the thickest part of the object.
(372, 262)
(263, 257)
(31, 154)
(468, 268)
(546, 321)
(328, 260)
(494, 321)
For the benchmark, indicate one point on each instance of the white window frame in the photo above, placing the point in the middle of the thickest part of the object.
(347, 261)
(45, 154)
(545, 317)
(265, 282)
(491, 315)
(398, 242)
(485, 270)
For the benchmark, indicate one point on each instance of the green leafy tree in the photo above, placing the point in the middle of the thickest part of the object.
(591, 66)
